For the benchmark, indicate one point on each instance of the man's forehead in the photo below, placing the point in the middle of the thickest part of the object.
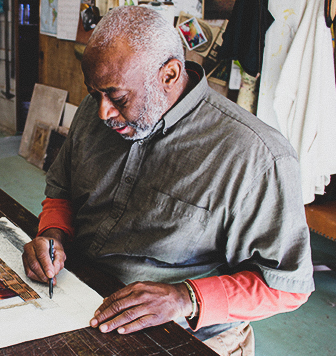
(119, 57)
(110, 70)
(116, 48)
(104, 89)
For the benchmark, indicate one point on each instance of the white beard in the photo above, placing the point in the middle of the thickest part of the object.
(155, 106)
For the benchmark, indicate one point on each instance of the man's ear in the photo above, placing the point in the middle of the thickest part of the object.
(170, 73)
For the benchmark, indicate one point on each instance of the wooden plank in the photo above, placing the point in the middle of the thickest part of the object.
(46, 106)
(59, 67)
(167, 339)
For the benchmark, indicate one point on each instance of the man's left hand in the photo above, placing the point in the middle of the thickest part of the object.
(141, 305)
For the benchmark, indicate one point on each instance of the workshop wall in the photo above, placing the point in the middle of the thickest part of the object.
(59, 67)
(7, 106)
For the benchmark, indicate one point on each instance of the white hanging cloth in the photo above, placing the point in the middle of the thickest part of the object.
(297, 92)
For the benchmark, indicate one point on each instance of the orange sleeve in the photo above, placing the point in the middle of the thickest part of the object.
(56, 213)
(243, 296)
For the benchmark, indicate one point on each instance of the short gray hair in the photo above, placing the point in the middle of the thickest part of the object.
(144, 30)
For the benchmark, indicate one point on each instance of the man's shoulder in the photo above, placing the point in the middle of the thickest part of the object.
(247, 129)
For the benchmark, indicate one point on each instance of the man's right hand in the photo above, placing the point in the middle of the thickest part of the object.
(36, 258)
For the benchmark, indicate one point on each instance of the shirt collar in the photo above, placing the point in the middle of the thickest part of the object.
(188, 103)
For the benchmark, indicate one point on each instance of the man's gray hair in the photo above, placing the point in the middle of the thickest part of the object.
(145, 31)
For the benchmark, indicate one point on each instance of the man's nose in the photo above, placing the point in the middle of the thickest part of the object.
(106, 109)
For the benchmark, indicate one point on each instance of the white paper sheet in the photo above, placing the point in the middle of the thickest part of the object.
(191, 7)
(69, 113)
(72, 306)
(67, 21)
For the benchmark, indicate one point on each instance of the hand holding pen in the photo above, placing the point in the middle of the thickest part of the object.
(52, 257)
(37, 260)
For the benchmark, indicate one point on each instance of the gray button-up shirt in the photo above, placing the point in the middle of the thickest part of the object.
(212, 190)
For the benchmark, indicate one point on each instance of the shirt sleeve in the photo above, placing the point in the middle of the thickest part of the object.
(56, 213)
(267, 229)
(240, 297)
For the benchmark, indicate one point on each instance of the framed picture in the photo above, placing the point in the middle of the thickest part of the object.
(192, 33)
(209, 30)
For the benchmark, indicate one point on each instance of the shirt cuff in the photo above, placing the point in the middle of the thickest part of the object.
(56, 213)
(206, 298)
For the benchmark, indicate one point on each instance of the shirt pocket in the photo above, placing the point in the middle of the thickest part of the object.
(165, 228)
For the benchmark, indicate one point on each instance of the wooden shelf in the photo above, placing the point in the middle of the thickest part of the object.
(321, 218)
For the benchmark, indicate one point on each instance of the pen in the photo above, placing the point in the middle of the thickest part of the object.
(52, 256)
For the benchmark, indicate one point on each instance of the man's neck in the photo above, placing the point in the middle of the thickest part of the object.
(188, 82)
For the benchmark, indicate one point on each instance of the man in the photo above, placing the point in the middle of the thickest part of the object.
(191, 201)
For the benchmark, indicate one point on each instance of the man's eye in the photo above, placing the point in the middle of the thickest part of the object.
(121, 101)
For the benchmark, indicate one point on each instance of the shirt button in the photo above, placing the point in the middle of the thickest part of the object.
(114, 215)
(140, 142)
(129, 180)
(164, 131)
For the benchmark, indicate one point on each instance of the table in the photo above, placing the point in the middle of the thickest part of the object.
(166, 339)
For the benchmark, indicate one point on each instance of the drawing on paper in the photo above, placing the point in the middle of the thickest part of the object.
(71, 307)
(6, 292)
(11, 285)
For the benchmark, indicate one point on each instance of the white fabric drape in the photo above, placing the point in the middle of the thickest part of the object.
(297, 92)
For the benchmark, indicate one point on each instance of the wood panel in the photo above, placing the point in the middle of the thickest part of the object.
(59, 67)
(166, 340)
(321, 218)
(45, 111)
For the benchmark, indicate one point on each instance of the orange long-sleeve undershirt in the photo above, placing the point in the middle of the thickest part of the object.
(56, 213)
(242, 296)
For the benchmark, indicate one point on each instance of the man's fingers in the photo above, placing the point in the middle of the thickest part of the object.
(33, 268)
(143, 322)
(131, 320)
(111, 307)
(127, 316)
(132, 295)
(115, 303)
(46, 263)
(59, 260)
(42, 252)
(29, 271)
(37, 262)
(141, 305)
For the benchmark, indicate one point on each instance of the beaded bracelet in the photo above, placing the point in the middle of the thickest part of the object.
(193, 300)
